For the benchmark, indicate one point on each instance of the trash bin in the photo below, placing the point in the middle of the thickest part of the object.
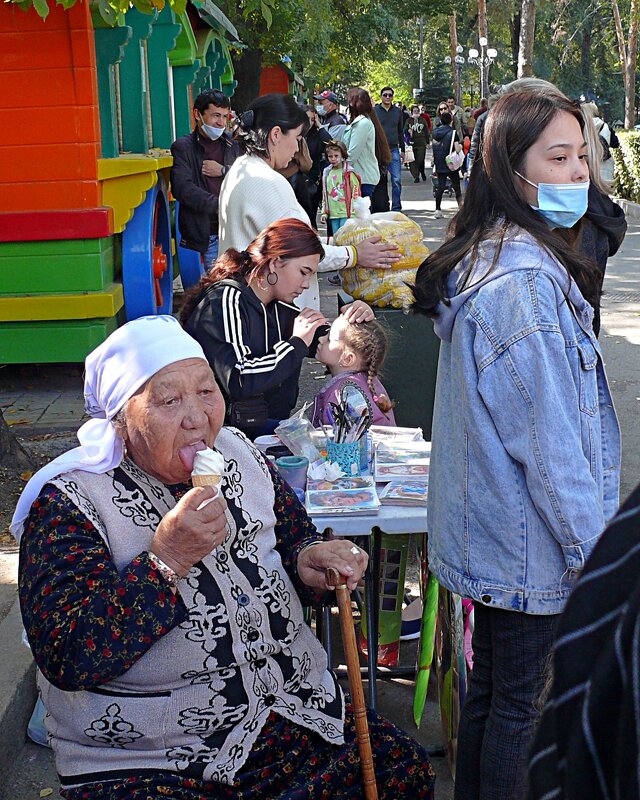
(409, 372)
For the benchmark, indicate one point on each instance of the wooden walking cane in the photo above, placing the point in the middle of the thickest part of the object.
(355, 682)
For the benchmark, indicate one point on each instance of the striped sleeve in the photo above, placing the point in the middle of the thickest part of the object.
(234, 338)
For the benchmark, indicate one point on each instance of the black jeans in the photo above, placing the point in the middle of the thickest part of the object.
(417, 167)
(442, 183)
(511, 662)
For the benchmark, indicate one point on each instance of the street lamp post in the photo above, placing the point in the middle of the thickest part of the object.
(458, 61)
(483, 59)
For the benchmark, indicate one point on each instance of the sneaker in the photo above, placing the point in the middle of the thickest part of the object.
(438, 214)
(411, 620)
(334, 280)
(416, 180)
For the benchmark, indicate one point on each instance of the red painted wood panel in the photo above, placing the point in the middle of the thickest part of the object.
(273, 79)
(40, 226)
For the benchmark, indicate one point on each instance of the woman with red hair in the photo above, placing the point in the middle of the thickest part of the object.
(242, 314)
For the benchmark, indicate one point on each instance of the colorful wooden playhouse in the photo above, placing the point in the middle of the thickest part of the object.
(87, 112)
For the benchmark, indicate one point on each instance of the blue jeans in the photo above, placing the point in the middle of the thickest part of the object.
(395, 170)
(212, 252)
(337, 223)
(511, 661)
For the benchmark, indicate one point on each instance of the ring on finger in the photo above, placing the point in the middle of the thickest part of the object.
(355, 550)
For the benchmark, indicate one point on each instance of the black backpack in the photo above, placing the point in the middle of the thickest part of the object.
(606, 150)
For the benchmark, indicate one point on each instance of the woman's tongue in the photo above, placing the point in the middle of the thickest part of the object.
(187, 454)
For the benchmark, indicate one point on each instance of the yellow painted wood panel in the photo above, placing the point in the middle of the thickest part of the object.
(86, 305)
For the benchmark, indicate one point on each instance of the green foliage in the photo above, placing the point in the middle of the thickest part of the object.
(626, 159)
(110, 10)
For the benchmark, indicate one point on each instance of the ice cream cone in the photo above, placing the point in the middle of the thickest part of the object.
(206, 480)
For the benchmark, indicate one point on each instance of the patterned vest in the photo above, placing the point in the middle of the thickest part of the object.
(196, 702)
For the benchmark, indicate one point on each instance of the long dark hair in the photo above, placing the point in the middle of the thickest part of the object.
(284, 238)
(493, 201)
(360, 103)
(264, 114)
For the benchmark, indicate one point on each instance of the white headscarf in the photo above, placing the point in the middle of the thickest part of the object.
(114, 372)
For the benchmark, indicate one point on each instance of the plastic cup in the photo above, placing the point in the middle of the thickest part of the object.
(294, 470)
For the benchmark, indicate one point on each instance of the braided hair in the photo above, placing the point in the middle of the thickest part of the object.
(370, 342)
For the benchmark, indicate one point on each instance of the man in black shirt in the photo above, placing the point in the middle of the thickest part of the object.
(200, 162)
(393, 123)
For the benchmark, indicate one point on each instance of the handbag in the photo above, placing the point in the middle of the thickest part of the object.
(408, 154)
(251, 413)
(455, 159)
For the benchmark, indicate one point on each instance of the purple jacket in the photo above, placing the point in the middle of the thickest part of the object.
(330, 393)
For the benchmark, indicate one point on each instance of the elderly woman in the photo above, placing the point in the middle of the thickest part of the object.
(165, 620)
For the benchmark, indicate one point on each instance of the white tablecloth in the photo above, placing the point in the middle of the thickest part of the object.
(390, 519)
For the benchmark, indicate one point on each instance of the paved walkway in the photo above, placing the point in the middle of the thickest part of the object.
(48, 399)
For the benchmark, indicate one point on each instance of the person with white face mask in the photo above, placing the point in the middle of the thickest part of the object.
(200, 162)
(328, 109)
(525, 463)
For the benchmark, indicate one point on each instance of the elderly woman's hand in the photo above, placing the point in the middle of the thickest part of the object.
(190, 530)
(376, 254)
(358, 311)
(341, 554)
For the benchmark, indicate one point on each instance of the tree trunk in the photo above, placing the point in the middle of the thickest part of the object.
(628, 58)
(527, 32)
(514, 34)
(632, 60)
(247, 68)
(12, 455)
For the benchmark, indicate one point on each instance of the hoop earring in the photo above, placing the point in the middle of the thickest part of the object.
(273, 275)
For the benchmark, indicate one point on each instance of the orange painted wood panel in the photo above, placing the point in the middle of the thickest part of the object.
(13, 19)
(65, 124)
(17, 85)
(39, 49)
(50, 196)
(50, 162)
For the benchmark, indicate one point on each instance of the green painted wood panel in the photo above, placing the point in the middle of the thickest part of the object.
(133, 84)
(56, 272)
(53, 342)
(110, 47)
(162, 41)
(183, 78)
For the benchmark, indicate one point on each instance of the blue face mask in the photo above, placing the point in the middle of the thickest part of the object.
(560, 204)
(211, 132)
(320, 110)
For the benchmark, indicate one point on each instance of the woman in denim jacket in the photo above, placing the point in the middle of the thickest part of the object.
(526, 444)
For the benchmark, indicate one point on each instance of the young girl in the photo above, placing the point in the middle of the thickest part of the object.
(354, 352)
(340, 186)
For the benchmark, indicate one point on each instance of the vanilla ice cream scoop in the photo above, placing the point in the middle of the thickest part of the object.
(208, 468)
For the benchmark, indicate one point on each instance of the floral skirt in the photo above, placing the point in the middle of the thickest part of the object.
(289, 762)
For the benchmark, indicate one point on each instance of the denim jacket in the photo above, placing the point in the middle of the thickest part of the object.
(526, 445)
